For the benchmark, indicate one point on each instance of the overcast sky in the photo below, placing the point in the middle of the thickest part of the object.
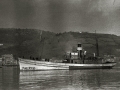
(62, 15)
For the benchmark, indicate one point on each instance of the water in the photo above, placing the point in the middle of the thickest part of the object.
(97, 79)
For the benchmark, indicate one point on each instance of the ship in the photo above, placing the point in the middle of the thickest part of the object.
(26, 65)
(73, 61)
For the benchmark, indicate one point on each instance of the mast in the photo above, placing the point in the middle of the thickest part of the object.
(42, 48)
(40, 35)
(97, 47)
(42, 44)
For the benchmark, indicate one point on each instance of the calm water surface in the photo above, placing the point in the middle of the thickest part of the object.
(107, 79)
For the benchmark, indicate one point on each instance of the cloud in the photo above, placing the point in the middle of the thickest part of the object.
(61, 15)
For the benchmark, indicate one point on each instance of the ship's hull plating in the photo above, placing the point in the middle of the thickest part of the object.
(43, 65)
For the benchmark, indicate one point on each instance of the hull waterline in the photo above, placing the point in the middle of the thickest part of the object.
(28, 65)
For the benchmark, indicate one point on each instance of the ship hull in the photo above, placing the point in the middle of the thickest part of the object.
(28, 65)
(109, 66)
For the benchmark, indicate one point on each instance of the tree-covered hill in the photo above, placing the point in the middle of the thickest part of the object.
(27, 43)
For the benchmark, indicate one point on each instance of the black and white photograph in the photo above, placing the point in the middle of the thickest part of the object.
(59, 44)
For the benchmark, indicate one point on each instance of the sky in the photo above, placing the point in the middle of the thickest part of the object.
(62, 15)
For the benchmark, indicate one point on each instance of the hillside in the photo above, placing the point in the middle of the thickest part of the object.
(26, 42)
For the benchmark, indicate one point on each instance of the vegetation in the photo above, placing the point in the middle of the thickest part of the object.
(26, 43)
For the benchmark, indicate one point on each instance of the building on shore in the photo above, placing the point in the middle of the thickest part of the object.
(9, 60)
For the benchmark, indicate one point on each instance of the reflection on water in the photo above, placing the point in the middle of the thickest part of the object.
(12, 79)
(70, 80)
(9, 78)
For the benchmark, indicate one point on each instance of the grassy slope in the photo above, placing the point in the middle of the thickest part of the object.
(26, 42)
